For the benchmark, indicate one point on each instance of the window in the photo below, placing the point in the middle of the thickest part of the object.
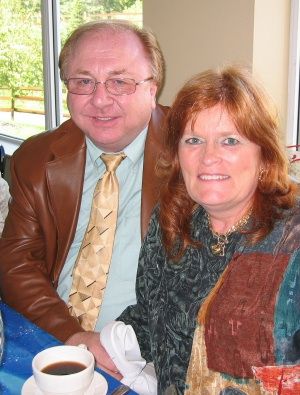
(32, 98)
(21, 68)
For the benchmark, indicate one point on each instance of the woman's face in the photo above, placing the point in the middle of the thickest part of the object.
(220, 167)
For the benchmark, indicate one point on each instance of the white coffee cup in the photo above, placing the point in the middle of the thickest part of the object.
(67, 384)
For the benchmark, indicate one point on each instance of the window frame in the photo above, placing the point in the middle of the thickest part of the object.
(50, 14)
(293, 127)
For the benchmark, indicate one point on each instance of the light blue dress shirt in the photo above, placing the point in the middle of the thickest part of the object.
(120, 288)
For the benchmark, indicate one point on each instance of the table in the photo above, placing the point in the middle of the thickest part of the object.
(23, 340)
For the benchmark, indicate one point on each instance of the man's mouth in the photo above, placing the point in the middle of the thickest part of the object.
(104, 118)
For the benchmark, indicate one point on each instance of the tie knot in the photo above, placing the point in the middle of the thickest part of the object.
(112, 161)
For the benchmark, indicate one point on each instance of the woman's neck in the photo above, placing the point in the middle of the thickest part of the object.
(223, 223)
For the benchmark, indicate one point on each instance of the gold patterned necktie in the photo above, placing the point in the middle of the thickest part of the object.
(93, 261)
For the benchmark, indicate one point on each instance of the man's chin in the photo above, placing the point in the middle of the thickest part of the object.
(108, 144)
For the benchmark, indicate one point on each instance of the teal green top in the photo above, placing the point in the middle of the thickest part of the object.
(169, 296)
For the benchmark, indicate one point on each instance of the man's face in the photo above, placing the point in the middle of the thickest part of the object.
(111, 122)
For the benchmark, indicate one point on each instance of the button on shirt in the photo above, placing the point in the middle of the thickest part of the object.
(120, 287)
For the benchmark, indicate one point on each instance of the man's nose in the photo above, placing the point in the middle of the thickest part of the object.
(101, 94)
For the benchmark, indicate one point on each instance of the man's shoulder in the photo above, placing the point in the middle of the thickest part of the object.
(159, 114)
(44, 138)
(42, 143)
(156, 125)
(161, 108)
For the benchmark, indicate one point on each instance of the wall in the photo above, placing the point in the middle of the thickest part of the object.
(271, 50)
(199, 34)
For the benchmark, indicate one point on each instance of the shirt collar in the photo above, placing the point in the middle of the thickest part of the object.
(133, 151)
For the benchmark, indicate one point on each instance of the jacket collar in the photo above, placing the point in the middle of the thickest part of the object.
(153, 148)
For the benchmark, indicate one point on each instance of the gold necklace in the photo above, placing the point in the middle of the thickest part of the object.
(222, 238)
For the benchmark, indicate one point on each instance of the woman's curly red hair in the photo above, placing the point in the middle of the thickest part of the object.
(251, 111)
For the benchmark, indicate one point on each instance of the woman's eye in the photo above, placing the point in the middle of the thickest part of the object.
(230, 141)
(193, 140)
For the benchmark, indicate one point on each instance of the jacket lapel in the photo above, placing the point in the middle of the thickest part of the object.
(65, 174)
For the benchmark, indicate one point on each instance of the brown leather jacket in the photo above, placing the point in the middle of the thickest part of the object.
(47, 174)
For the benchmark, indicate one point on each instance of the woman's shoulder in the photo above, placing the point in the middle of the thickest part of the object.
(293, 214)
(199, 218)
(154, 232)
(287, 230)
(154, 219)
(297, 204)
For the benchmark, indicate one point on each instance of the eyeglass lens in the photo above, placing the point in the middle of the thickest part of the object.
(84, 86)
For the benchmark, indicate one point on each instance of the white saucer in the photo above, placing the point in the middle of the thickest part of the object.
(98, 386)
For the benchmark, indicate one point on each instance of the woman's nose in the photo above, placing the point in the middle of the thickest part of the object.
(209, 153)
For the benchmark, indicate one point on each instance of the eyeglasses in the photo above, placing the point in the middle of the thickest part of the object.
(114, 86)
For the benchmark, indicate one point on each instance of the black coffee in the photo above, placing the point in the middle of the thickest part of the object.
(63, 368)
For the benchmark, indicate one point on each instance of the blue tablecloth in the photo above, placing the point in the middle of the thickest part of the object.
(23, 340)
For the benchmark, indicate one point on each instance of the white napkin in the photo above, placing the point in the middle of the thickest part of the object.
(120, 342)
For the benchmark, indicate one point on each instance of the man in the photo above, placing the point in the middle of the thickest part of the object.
(112, 71)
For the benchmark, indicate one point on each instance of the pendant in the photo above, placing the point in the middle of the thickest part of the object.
(218, 249)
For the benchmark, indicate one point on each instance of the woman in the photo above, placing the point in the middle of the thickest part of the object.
(218, 285)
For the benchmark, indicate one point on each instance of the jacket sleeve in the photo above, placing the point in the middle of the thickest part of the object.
(26, 283)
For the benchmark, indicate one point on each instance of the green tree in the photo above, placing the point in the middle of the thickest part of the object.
(107, 6)
(20, 35)
(74, 13)
(73, 16)
(116, 5)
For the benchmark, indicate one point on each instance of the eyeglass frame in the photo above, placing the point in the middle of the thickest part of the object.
(134, 84)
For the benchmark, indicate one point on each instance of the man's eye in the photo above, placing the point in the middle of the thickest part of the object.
(118, 82)
(230, 141)
(85, 81)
